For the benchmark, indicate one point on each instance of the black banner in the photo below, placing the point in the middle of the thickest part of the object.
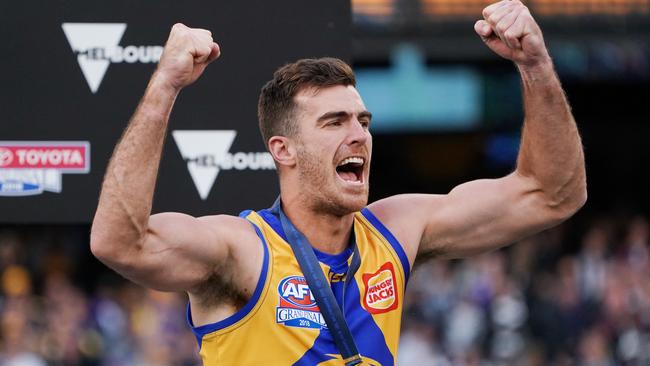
(74, 71)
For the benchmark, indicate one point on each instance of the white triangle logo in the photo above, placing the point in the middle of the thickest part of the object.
(93, 43)
(202, 150)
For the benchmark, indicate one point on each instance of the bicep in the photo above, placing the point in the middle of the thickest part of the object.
(179, 252)
(475, 217)
(484, 215)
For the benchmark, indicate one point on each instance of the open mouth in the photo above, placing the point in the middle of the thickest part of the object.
(351, 169)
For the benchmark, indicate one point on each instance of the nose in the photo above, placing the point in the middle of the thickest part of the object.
(358, 134)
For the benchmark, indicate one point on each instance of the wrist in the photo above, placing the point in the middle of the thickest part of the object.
(537, 70)
(160, 83)
(159, 97)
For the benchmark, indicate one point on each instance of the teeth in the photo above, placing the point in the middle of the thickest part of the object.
(352, 160)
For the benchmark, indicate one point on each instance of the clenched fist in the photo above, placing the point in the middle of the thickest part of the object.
(187, 53)
(511, 32)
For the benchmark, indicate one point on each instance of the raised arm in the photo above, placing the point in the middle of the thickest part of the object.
(548, 185)
(168, 251)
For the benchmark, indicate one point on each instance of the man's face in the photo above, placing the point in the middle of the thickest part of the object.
(333, 149)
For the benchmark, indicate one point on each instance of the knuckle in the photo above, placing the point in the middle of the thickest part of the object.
(512, 37)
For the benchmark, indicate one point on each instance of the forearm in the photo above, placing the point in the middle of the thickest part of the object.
(127, 192)
(551, 149)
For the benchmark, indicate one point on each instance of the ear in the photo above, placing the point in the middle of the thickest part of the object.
(282, 150)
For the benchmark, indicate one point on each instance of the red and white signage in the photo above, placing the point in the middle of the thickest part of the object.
(32, 167)
(380, 290)
(64, 156)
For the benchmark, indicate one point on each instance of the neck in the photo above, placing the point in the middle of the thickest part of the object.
(326, 232)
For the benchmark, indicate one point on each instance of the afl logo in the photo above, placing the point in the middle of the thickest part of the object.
(297, 307)
(294, 292)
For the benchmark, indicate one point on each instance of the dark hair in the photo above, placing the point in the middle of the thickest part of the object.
(276, 105)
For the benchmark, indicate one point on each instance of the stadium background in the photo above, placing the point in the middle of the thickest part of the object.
(576, 294)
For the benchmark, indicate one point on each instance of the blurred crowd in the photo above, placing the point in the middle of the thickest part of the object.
(563, 297)
(59, 306)
(578, 294)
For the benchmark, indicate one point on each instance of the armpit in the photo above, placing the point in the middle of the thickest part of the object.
(219, 288)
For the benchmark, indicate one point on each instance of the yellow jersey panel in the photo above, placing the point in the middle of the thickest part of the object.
(282, 325)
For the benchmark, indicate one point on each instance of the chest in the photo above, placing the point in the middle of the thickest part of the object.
(372, 295)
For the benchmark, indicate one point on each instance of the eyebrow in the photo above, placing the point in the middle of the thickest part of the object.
(342, 114)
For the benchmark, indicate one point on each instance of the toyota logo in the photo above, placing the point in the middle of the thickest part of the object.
(6, 157)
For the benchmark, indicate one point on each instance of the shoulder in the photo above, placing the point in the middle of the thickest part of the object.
(236, 232)
(227, 224)
(406, 217)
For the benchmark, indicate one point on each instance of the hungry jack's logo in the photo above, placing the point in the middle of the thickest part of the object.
(380, 290)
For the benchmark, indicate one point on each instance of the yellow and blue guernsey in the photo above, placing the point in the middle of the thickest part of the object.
(281, 324)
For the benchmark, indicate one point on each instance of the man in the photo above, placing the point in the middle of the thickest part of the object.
(249, 302)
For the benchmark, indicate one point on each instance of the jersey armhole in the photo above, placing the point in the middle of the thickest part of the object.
(203, 330)
(392, 240)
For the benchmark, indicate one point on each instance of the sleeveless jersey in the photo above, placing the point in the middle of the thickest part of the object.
(281, 323)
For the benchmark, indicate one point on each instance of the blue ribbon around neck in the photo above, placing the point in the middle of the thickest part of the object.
(320, 287)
